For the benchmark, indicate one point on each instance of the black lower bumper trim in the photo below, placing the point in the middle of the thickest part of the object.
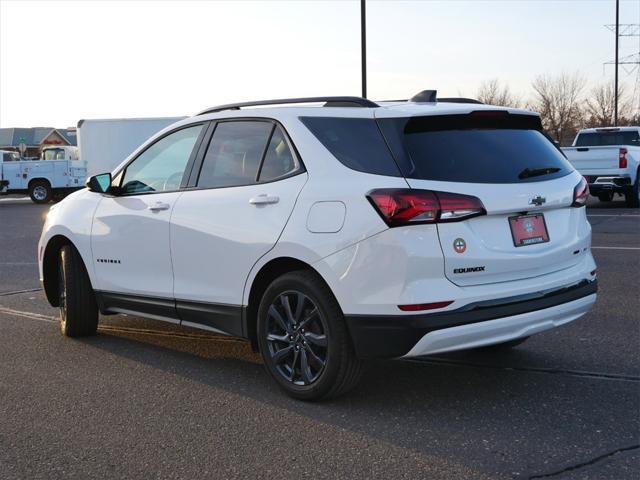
(389, 336)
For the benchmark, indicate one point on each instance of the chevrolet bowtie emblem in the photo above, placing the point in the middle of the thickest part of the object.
(538, 200)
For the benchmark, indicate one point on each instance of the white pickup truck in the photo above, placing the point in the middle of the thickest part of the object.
(56, 174)
(609, 159)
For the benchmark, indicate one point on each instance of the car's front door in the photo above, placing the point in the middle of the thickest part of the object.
(130, 232)
(247, 187)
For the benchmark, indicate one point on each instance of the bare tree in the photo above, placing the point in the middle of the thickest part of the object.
(492, 92)
(600, 105)
(557, 98)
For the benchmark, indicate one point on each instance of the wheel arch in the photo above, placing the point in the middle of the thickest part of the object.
(271, 270)
(50, 267)
(39, 179)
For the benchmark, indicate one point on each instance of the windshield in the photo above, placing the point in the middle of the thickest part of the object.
(602, 139)
(474, 148)
(53, 154)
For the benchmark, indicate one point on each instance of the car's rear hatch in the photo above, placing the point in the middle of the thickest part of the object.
(517, 174)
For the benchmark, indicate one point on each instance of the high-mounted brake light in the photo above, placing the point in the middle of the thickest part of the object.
(622, 156)
(580, 194)
(404, 206)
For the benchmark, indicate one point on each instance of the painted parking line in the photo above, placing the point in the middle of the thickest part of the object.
(616, 248)
(26, 199)
(630, 215)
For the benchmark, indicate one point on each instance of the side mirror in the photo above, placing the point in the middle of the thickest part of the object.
(99, 183)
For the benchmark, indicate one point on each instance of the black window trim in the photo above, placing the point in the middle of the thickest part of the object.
(206, 141)
(119, 174)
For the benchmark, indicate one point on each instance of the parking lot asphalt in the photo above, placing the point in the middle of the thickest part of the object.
(145, 399)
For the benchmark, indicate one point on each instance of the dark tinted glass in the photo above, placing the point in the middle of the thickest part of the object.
(485, 152)
(356, 142)
(278, 160)
(161, 166)
(234, 154)
(599, 139)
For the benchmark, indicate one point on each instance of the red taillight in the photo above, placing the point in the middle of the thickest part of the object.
(580, 194)
(404, 206)
(424, 306)
(622, 162)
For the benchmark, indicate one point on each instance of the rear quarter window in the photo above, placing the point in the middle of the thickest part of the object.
(356, 142)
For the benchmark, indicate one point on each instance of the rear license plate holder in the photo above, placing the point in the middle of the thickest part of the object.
(528, 229)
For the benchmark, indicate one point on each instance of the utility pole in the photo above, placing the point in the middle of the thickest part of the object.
(615, 110)
(363, 42)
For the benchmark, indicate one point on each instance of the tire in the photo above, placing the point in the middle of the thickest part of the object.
(78, 308)
(504, 345)
(632, 197)
(294, 356)
(605, 197)
(40, 191)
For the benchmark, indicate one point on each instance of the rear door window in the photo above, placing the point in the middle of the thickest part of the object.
(279, 160)
(234, 154)
(504, 148)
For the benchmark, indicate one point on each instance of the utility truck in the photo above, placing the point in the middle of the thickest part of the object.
(57, 173)
(609, 159)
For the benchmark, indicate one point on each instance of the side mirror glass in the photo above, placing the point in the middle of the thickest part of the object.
(99, 183)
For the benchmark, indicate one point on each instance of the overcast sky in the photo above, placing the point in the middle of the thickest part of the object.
(61, 61)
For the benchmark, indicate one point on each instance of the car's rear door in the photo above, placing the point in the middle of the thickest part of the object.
(238, 204)
(523, 181)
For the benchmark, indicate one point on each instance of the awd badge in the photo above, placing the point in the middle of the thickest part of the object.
(459, 245)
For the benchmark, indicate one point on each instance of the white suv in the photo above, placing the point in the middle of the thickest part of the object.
(331, 233)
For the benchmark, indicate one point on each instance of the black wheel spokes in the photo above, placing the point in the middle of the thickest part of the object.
(296, 338)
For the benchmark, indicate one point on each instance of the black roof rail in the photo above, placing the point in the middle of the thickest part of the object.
(329, 102)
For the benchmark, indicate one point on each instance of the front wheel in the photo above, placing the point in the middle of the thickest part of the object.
(605, 196)
(303, 339)
(77, 302)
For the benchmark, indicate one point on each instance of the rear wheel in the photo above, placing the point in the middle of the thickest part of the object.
(78, 308)
(632, 197)
(303, 338)
(40, 191)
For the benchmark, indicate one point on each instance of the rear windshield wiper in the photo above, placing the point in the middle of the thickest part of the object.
(536, 172)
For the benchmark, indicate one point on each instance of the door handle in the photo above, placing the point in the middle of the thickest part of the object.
(159, 206)
(264, 199)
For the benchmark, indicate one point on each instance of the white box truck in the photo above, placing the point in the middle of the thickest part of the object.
(105, 143)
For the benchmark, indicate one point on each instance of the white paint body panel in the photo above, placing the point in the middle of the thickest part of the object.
(126, 230)
(217, 236)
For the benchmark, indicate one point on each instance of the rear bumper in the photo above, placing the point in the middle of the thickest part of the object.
(477, 324)
(608, 183)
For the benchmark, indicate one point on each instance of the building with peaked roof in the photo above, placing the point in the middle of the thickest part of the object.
(36, 138)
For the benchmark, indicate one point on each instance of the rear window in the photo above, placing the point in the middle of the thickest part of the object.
(355, 142)
(474, 148)
(602, 139)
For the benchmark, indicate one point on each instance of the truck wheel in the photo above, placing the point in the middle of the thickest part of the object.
(40, 191)
(303, 338)
(78, 308)
(605, 197)
(632, 197)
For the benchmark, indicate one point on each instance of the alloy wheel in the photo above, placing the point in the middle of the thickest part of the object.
(297, 339)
